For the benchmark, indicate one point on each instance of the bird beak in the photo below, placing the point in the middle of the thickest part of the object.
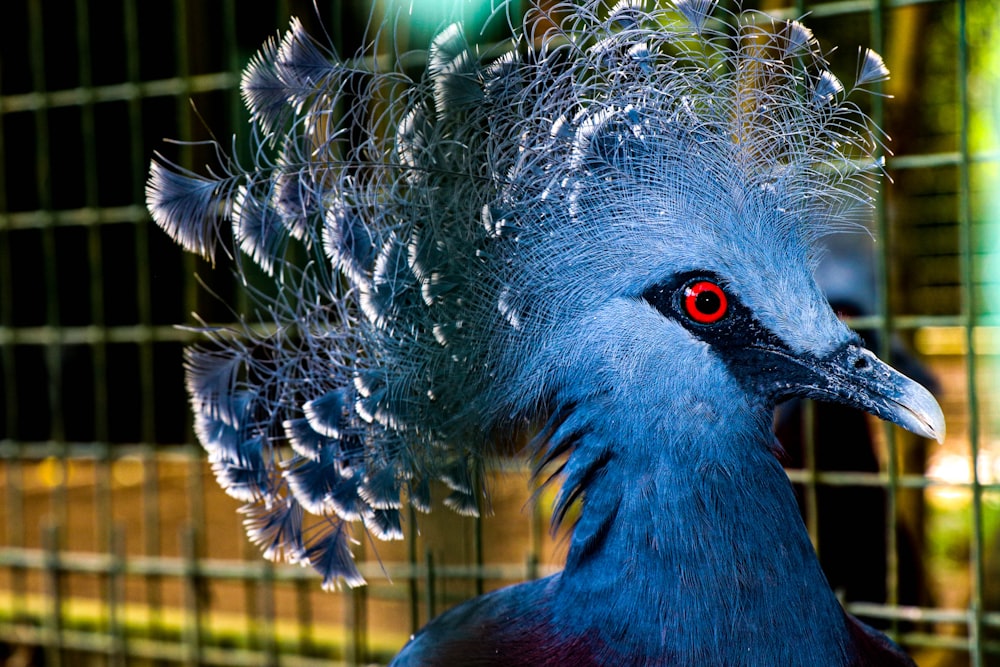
(856, 377)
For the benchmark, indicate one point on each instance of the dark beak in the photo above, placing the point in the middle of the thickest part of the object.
(856, 377)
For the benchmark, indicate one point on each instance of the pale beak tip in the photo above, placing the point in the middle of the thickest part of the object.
(927, 418)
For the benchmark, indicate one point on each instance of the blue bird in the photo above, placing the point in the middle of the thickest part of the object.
(605, 226)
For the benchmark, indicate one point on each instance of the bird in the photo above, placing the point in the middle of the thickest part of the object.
(600, 231)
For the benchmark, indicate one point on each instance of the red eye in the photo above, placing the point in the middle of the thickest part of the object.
(705, 302)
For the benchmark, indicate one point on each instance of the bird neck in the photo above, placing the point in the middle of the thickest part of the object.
(696, 545)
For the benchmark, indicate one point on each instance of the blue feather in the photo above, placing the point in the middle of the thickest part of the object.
(381, 489)
(246, 475)
(826, 87)
(277, 530)
(266, 96)
(187, 206)
(312, 482)
(626, 14)
(348, 242)
(330, 555)
(297, 198)
(454, 71)
(384, 524)
(221, 440)
(329, 414)
(697, 12)
(412, 144)
(346, 500)
(304, 68)
(212, 380)
(420, 495)
(872, 68)
(258, 228)
(393, 285)
(304, 439)
(463, 503)
(800, 39)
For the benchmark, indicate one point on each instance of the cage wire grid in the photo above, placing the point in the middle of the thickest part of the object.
(117, 548)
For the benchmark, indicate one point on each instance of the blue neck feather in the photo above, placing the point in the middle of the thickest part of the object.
(695, 552)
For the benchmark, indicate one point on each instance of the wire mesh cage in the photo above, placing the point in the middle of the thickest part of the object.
(116, 547)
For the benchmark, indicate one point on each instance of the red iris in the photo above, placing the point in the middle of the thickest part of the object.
(705, 302)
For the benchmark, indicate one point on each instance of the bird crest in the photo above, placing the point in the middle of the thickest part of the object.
(434, 238)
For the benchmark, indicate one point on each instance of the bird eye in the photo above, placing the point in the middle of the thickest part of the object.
(705, 302)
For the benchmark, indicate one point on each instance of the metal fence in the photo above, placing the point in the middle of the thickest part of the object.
(117, 548)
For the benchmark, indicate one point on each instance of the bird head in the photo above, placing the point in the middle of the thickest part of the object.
(666, 245)
(710, 281)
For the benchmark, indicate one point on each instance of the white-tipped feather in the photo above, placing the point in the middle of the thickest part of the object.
(872, 68)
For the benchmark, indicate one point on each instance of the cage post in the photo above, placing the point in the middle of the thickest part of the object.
(303, 615)
(267, 629)
(477, 549)
(886, 324)
(429, 584)
(811, 482)
(151, 547)
(413, 588)
(116, 597)
(968, 314)
(193, 628)
(54, 591)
